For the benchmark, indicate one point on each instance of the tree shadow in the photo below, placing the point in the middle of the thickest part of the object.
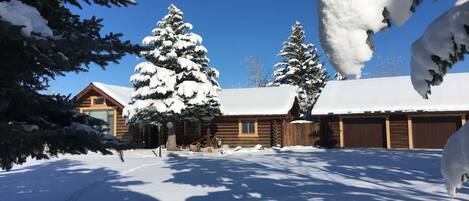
(328, 175)
(66, 180)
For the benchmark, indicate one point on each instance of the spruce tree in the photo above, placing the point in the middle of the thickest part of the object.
(300, 67)
(338, 76)
(175, 83)
(42, 39)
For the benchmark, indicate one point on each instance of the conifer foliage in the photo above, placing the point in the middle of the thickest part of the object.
(42, 39)
(300, 67)
(175, 82)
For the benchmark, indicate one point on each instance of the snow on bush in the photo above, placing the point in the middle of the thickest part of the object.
(20, 14)
(346, 27)
(455, 160)
(443, 44)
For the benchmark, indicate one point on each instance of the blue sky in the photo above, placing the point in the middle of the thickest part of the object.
(235, 29)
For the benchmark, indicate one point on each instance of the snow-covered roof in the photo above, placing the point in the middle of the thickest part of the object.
(392, 94)
(123, 95)
(242, 101)
(258, 101)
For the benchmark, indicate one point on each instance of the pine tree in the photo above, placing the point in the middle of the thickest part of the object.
(42, 39)
(175, 82)
(339, 76)
(300, 67)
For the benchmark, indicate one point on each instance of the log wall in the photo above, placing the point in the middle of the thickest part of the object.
(122, 131)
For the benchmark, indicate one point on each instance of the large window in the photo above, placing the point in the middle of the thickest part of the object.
(191, 128)
(248, 127)
(105, 115)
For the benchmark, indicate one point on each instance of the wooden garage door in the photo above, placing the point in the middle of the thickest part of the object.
(365, 132)
(433, 132)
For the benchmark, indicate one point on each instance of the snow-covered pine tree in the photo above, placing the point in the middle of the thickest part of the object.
(175, 82)
(300, 67)
(42, 39)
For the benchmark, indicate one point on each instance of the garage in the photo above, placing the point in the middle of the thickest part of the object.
(364, 132)
(433, 132)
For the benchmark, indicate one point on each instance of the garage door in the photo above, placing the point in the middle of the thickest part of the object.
(433, 132)
(364, 132)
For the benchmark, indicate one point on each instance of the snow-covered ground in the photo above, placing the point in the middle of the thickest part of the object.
(293, 173)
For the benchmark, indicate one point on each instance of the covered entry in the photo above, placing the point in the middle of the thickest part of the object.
(364, 132)
(433, 132)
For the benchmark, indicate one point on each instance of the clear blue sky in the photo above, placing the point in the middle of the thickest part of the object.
(235, 29)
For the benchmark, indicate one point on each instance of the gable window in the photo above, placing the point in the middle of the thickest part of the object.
(98, 101)
(192, 128)
(248, 128)
(107, 116)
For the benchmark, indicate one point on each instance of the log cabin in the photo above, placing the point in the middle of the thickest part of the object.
(389, 113)
(250, 116)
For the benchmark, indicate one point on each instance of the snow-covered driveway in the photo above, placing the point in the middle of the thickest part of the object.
(288, 174)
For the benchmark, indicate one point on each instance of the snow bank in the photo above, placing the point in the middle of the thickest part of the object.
(455, 160)
(437, 41)
(346, 27)
(17, 13)
(299, 148)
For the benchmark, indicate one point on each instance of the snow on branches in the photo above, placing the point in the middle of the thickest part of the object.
(175, 80)
(300, 67)
(17, 13)
(443, 44)
(346, 28)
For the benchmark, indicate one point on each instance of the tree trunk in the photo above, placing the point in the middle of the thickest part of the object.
(171, 142)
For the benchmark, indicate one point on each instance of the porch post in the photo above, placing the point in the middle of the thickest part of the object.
(341, 132)
(388, 133)
(409, 131)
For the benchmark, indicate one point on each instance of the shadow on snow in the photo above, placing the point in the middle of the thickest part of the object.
(373, 175)
(65, 180)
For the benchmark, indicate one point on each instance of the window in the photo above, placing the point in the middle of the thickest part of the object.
(98, 101)
(105, 115)
(248, 127)
(191, 128)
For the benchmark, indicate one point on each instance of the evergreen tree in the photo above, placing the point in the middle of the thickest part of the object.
(300, 67)
(175, 82)
(42, 39)
(339, 76)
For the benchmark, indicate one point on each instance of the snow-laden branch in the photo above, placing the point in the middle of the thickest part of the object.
(346, 28)
(17, 13)
(443, 44)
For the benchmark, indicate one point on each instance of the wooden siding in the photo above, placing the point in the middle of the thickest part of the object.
(277, 132)
(406, 130)
(330, 131)
(306, 134)
(399, 131)
(122, 132)
(270, 131)
(227, 129)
